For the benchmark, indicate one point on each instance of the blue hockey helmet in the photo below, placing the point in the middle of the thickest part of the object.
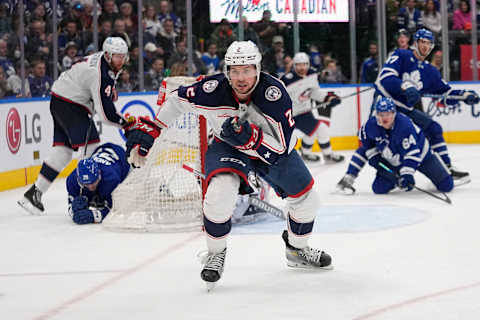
(427, 35)
(385, 104)
(87, 172)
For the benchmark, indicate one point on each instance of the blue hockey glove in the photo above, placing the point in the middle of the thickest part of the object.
(406, 182)
(83, 216)
(141, 135)
(79, 203)
(471, 97)
(412, 95)
(332, 99)
(243, 136)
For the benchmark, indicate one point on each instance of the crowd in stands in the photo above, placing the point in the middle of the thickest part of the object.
(165, 39)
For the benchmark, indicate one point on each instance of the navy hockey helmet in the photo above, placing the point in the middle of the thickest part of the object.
(87, 172)
(427, 35)
(385, 104)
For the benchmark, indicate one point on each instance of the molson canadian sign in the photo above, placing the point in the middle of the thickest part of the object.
(281, 10)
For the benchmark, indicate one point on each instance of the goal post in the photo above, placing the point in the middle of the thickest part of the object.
(162, 196)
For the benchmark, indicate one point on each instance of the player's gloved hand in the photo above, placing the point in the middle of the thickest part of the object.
(406, 182)
(412, 95)
(243, 136)
(332, 99)
(90, 215)
(79, 203)
(140, 137)
(471, 97)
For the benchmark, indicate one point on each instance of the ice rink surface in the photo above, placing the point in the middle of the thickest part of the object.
(398, 256)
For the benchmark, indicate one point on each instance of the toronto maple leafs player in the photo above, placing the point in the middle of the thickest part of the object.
(91, 184)
(404, 77)
(393, 141)
(303, 88)
(251, 116)
(80, 92)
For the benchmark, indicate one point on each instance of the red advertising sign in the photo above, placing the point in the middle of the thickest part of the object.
(14, 130)
(466, 65)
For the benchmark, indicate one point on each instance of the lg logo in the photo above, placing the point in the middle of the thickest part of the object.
(14, 130)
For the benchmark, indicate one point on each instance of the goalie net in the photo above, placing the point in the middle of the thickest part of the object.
(162, 196)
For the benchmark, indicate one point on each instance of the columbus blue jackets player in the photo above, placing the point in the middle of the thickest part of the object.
(80, 92)
(90, 186)
(404, 77)
(392, 139)
(302, 86)
(250, 113)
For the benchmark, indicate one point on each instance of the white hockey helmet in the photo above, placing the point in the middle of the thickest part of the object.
(241, 53)
(301, 57)
(113, 45)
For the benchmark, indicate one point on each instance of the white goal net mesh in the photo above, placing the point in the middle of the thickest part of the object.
(162, 196)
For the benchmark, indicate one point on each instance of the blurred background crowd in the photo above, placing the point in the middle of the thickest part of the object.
(164, 48)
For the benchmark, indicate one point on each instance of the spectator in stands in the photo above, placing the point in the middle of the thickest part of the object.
(184, 34)
(165, 13)
(150, 53)
(266, 29)
(431, 18)
(119, 30)
(109, 12)
(180, 55)
(38, 43)
(5, 89)
(410, 17)
(5, 62)
(5, 20)
(75, 13)
(437, 60)
(130, 19)
(15, 82)
(39, 13)
(167, 37)
(105, 30)
(462, 17)
(178, 69)
(273, 57)
(403, 41)
(156, 74)
(315, 57)
(332, 73)
(40, 83)
(223, 36)
(152, 25)
(286, 67)
(70, 34)
(369, 69)
(249, 33)
(71, 55)
(211, 60)
(126, 83)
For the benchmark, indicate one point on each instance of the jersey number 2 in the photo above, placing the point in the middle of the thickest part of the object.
(289, 116)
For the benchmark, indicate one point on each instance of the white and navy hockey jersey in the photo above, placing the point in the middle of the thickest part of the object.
(404, 146)
(270, 108)
(403, 70)
(114, 168)
(90, 83)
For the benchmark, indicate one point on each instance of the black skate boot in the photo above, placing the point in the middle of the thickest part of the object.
(333, 158)
(308, 155)
(213, 268)
(32, 201)
(307, 257)
(345, 185)
(459, 177)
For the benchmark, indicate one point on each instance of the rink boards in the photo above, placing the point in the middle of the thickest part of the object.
(26, 127)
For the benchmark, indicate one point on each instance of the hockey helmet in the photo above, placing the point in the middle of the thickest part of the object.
(427, 35)
(241, 53)
(87, 172)
(301, 57)
(113, 45)
(385, 104)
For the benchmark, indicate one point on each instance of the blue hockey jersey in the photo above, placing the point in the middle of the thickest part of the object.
(404, 146)
(113, 167)
(403, 70)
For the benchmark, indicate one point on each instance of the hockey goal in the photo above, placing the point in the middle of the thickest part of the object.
(162, 196)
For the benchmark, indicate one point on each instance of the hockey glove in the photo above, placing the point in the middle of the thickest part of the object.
(141, 135)
(79, 203)
(86, 216)
(406, 182)
(412, 96)
(243, 136)
(332, 99)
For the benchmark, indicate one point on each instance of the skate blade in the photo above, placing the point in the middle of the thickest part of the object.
(345, 191)
(462, 181)
(30, 208)
(210, 285)
(296, 265)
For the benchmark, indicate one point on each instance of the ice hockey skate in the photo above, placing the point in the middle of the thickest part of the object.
(459, 177)
(333, 157)
(308, 155)
(32, 201)
(306, 258)
(345, 185)
(212, 267)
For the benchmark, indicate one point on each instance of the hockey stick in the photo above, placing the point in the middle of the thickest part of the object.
(254, 201)
(89, 131)
(325, 104)
(442, 96)
(445, 198)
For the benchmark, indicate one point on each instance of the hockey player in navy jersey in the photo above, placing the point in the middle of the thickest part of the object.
(91, 184)
(250, 113)
(302, 86)
(404, 77)
(80, 92)
(392, 140)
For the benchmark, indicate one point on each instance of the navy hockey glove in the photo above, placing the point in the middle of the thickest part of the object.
(141, 135)
(412, 95)
(85, 216)
(243, 136)
(79, 203)
(471, 97)
(332, 100)
(406, 182)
